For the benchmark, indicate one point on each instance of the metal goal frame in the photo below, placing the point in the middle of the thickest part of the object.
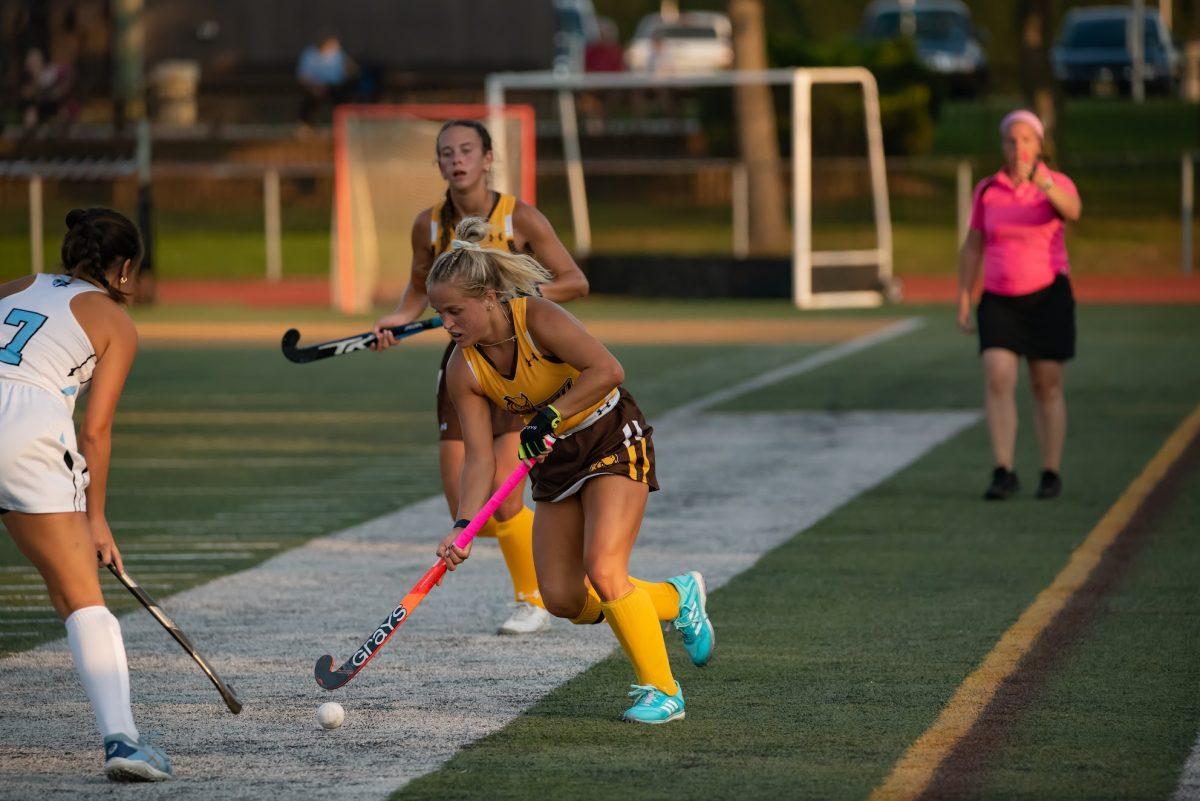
(801, 80)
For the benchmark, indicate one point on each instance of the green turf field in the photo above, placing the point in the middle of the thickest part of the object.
(837, 650)
(840, 648)
(225, 456)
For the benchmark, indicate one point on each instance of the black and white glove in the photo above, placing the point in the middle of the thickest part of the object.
(533, 435)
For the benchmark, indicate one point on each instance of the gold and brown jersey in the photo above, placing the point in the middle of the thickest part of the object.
(534, 379)
(500, 221)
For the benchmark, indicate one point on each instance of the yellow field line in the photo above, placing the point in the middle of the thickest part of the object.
(912, 775)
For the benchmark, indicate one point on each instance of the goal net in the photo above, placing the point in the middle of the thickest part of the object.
(385, 173)
(654, 190)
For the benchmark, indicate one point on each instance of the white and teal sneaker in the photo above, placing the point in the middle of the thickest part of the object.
(699, 638)
(129, 761)
(654, 706)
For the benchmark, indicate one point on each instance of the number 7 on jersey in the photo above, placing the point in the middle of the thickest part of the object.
(27, 323)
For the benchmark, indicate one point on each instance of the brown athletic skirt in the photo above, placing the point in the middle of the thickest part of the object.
(448, 426)
(618, 444)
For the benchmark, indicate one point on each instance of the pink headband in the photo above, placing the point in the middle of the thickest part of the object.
(1027, 117)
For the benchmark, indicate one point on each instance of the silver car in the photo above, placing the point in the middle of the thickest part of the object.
(694, 41)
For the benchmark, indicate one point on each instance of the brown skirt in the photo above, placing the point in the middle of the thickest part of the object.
(448, 425)
(619, 444)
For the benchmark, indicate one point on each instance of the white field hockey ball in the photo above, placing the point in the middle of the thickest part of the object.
(330, 714)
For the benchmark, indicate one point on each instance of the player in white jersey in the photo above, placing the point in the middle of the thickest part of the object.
(61, 336)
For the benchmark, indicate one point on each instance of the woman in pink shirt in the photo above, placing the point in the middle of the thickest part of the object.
(1027, 308)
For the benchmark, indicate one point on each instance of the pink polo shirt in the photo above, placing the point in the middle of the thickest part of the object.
(1023, 245)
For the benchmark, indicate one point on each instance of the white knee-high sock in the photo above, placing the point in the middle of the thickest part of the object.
(99, 652)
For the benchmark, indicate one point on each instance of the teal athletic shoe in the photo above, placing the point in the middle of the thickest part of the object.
(698, 636)
(129, 761)
(654, 706)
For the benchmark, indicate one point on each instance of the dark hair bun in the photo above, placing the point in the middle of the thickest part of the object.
(96, 240)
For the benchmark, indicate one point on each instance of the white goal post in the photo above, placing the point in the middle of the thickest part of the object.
(801, 80)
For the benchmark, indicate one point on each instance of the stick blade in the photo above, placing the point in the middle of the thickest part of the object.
(288, 345)
(327, 677)
(231, 700)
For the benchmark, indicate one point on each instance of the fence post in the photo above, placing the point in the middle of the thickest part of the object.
(740, 198)
(37, 259)
(1137, 52)
(271, 216)
(580, 220)
(1187, 207)
(963, 205)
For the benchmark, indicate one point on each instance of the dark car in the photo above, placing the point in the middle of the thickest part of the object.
(946, 39)
(1093, 51)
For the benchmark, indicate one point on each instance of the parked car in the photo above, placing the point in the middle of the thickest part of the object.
(694, 41)
(1093, 50)
(947, 41)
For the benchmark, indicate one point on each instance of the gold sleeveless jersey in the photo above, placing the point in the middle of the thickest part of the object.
(535, 380)
(500, 220)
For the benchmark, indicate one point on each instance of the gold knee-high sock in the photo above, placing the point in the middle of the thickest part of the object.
(663, 595)
(592, 613)
(635, 623)
(515, 536)
(489, 528)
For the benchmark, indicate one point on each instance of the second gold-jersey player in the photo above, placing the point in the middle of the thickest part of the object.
(464, 157)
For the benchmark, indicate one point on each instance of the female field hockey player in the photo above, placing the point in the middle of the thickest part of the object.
(464, 156)
(62, 335)
(1028, 308)
(528, 356)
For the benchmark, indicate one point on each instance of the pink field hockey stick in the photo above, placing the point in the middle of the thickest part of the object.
(331, 679)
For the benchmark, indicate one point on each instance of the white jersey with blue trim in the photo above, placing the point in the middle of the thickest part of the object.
(41, 342)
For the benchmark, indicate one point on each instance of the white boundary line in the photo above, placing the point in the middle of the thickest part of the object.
(1189, 779)
(807, 364)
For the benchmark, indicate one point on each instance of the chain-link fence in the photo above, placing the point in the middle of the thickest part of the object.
(247, 221)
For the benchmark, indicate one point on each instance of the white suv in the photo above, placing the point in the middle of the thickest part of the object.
(694, 41)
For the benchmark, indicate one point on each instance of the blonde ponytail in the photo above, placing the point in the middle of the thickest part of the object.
(477, 269)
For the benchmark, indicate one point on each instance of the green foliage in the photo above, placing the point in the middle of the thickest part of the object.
(910, 95)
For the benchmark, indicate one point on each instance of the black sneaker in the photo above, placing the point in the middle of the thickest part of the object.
(1004, 483)
(1050, 486)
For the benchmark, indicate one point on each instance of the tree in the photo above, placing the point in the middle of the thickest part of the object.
(755, 109)
(1036, 19)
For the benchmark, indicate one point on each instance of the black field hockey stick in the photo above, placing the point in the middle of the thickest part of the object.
(231, 700)
(339, 347)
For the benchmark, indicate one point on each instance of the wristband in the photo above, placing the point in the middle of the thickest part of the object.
(463, 523)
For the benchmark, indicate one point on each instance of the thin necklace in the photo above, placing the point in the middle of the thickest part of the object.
(501, 342)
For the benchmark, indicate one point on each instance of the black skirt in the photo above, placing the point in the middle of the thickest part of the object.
(1040, 325)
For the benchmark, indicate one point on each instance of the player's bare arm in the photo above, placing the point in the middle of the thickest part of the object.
(970, 258)
(540, 240)
(415, 298)
(114, 338)
(556, 331)
(479, 466)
